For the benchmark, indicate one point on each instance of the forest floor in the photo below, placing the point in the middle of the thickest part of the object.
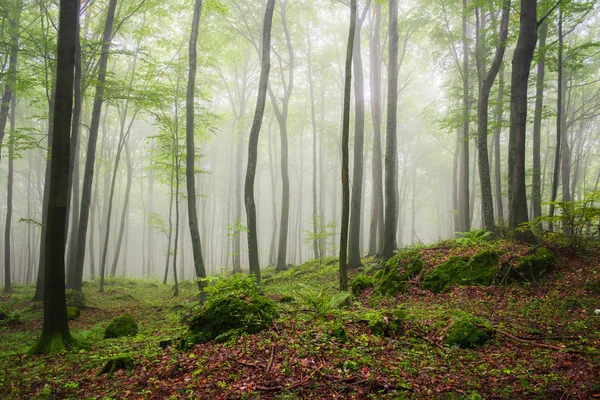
(546, 343)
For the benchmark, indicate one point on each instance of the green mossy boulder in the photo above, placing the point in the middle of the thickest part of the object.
(72, 313)
(74, 299)
(482, 268)
(361, 283)
(122, 361)
(236, 305)
(123, 325)
(468, 332)
(444, 275)
(533, 267)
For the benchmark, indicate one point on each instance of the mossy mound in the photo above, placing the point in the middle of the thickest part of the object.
(339, 332)
(361, 283)
(75, 299)
(533, 267)
(390, 281)
(468, 332)
(444, 275)
(123, 325)
(235, 304)
(72, 313)
(122, 361)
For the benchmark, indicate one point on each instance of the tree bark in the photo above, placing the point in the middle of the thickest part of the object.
(523, 55)
(124, 212)
(463, 176)
(76, 279)
(487, 201)
(343, 268)
(55, 333)
(389, 242)
(536, 185)
(191, 151)
(253, 141)
(497, 160)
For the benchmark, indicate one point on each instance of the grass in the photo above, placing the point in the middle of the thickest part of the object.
(319, 348)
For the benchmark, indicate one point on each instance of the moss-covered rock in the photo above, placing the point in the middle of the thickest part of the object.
(339, 332)
(390, 282)
(361, 283)
(444, 275)
(123, 325)
(121, 361)
(75, 299)
(236, 305)
(533, 267)
(468, 332)
(73, 313)
(482, 268)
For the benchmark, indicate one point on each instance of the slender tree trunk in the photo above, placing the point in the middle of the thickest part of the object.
(124, 212)
(389, 242)
(497, 160)
(170, 232)
(345, 153)
(463, 177)
(561, 126)
(376, 225)
(75, 280)
(359, 139)
(55, 333)
(536, 186)
(523, 55)
(9, 199)
(487, 201)
(191, 152)
(313, 119)
(253, 142)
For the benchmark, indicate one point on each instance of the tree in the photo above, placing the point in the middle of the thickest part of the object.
(76, 274)
(190, 165)
(487, 201)
(390, 218)
(359, 138)
(464, 213)
(253, 141)
(345, 153)
(55, 333)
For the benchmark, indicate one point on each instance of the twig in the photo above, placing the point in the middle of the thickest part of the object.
(250, 364)
(270, 360)
(548, 346)
(295, 385)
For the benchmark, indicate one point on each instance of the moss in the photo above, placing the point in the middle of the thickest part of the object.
(75, 299)
(227, 336)
(123, 325)
(236, 306)
(361, 283)
(72, 313)
(533, 267)
(121, 361)
(468, 332)
(286, 299)
(482, 268)
(390, 283)
(387, 324)
(444, 275)
(53, 343)
(593, 287)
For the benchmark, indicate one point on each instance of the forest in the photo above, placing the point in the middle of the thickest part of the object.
(280, 199)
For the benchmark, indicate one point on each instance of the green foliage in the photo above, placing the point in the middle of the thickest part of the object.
(361, 283)
(339, 332)
(323, 303)
(387, 323)
(574, 224)
(93, 335)
(390, 280)
(446, 274)
(468, 332)
(8, 316)
(235, 305)
(474, 237)
(324, 232)
(123, 325)
(534, 266)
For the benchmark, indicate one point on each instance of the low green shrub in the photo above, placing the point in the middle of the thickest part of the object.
(533, 267)
(387, 324)
(361, 283)
(123, 325)
(468, 332)
(121, 361)
(72, 313)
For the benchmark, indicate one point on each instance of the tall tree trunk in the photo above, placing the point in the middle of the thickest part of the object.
(359, 139)
(376, 225)
(497, 160)
(536, 186)
(170, 232)
(124, 213)
(9, 198)
(523, 55)
(345, 153)
(389, 242)
(191, 151)
(55, 333)
(561, 126)
(76, 278)
(487, 201)
(253, 141)
(463, 177)
(313, 119)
